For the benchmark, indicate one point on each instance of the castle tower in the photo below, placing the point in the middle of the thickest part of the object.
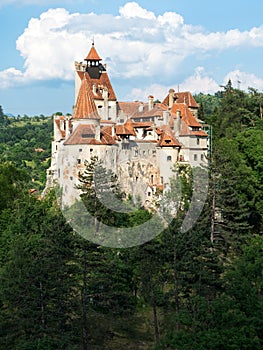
(100, 86)
(94, 67)
(85, 112)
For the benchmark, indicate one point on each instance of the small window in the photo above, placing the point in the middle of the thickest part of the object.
(149, 194)
(91, 150)
(79, 161)
(169, 158)
(80, 150)
(202, 157)
(195, 156)
(198, 141)
(71, 178)
(136, 152)
(88, 136)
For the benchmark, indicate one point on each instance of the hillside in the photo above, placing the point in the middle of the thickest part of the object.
(26, 143)
(199, 289)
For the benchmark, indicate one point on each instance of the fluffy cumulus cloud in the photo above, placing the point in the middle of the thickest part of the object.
(200, 81)
(136, 44)
(133, 10)
(243, 80)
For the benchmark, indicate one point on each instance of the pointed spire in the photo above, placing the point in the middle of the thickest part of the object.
(85, 106)
(93, 54)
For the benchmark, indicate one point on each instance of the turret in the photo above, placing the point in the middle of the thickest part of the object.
(94, 67)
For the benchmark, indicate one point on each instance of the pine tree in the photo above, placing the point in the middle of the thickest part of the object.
(38, 285)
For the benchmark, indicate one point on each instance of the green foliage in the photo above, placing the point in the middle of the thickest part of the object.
(12, 184)
(195, 289)
(26, 142)
(233, 318)
(38, 282)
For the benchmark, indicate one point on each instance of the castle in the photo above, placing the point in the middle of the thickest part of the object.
(138, 141)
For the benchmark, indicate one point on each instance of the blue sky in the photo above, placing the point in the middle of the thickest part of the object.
(149, 47)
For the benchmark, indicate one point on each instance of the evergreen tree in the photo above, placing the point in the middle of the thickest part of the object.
(38, 281)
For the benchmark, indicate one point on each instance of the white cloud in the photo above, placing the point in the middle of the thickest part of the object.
(244, 80)
(156, 90)
(200, 82)
(48, 49)
(133, 10)
(10, 76)
(137, 43)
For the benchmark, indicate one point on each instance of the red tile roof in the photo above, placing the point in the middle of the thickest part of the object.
(186, 114)
(106, 136)
(101, 82)
(93, 55)
(129, 108)
(142, 124)
(85, 135)
(139, 109)
(185, 130)
(167, 137)
(182, 97)
(57, 120)
(125, 129)
(85, 107)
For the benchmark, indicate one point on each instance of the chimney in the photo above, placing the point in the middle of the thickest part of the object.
(67, 127)
(113, 130)
(140, 108)
(166, 115)
(105, 93)
(150, 102)
(177, 123)
(171, 98)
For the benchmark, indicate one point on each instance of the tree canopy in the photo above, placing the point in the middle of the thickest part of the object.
(199, 289)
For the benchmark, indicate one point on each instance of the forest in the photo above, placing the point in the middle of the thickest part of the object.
(196, 290)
